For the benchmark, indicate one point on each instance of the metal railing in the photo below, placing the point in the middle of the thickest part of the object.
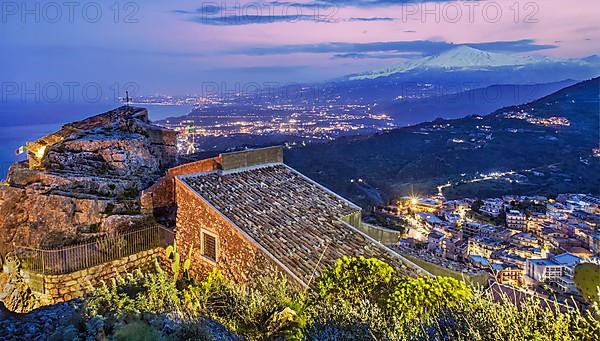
(83, 256)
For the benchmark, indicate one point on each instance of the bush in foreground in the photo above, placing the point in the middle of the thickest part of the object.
(357, 298)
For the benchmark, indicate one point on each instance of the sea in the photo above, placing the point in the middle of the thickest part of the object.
(25, 122)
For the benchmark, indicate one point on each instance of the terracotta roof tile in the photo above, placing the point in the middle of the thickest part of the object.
(293, 218)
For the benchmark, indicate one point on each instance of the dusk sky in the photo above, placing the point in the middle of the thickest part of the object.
(172, 47)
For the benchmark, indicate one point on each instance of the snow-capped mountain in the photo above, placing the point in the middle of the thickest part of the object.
(465, 58)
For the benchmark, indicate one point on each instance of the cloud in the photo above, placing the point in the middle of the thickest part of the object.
(212, 13)
(376, 56)
(372, 19)
(425, 47)
(286, 7)
(249, 13)
(524, 45)
(309, 5)
(234, 20)
(182, 11)
(262, 69)
(258, 13)
(375, 3)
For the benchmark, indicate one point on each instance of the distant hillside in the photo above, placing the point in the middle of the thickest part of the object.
(478, 101)
(546, 159)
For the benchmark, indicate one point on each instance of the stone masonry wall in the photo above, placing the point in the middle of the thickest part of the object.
(238, 258)
(253, 157)
(353, 219)
(205, 165)
(162, 193)
(60, 288)
(157, 196)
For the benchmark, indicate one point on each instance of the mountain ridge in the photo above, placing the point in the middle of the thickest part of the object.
(467, 58)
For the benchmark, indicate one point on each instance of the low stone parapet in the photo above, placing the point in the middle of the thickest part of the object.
(60, 288)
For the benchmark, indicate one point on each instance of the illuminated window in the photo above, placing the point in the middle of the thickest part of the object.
(209, 246)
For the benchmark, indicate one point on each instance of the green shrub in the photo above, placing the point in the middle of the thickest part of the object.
(427, 308)
(15, 292)
(265, 310)
(134, 293)
(355, 279)
(109, 208)
(173, 254)
(342, 320)
(130, 193)
(483, 319)
(423, 296)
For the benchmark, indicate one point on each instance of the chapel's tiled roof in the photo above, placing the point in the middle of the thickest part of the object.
(293, 218)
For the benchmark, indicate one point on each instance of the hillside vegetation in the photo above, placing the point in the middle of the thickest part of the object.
(356, 299)
(430, 154)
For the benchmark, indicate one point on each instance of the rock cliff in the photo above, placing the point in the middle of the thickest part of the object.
(79, 178)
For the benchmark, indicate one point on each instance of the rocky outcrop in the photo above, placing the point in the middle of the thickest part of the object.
(121, 155)
(28, 217)
(121, 223)
(73, 184)
(40, 324)
(77, 179)
(67, 321)
(128, 149)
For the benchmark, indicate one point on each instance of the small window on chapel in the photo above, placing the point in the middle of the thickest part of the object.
(209, 246)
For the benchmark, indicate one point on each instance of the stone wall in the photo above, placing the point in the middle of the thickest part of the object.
(252, 157)
(205, 165)
(159, 199)
(59, 288)
(163, 145)
(353, 219)
(238, 257)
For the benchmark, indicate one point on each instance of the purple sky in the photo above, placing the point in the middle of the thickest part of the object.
(176, 46)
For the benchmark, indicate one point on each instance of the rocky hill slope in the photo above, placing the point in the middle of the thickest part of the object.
(84, 179)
